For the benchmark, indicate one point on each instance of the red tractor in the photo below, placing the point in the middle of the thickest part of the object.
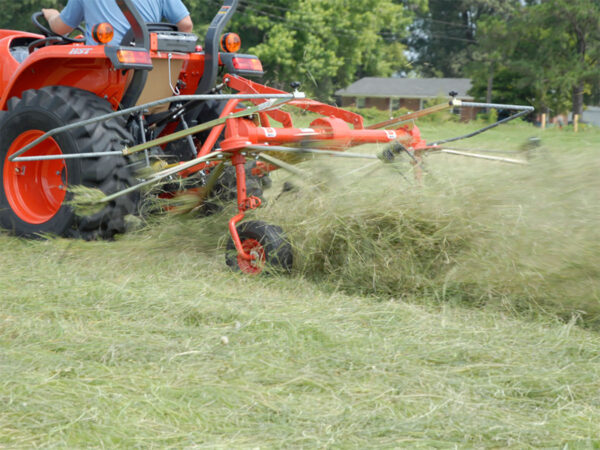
(93, 116)
(50, 81)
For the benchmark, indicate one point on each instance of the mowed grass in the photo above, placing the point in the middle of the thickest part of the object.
(150, 341)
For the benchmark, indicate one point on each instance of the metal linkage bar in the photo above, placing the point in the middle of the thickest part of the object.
(494, 105)
(523, 110)
(273, 103)
(274, 148)
(412, 116)
(163, 174)
(66, 156)
(134, 109)
(487, 157)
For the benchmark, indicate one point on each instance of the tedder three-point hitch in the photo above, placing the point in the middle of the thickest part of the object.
(95, 116)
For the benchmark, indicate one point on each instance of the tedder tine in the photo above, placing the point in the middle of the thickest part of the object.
(314, 151)
(283, 165)
(210, 183)
(412, 116)
(486, 157)
(161, 175)
(368, 166)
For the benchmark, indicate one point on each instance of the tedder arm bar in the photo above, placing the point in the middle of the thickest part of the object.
(479, 156)
(283, 98)
(522, 111)
(163, 174)
(495, 106)
(313, 151)
(411, 116)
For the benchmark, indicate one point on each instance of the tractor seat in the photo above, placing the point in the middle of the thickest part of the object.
(19, 48)
(166, 71)
(169, 39)
(20, 52)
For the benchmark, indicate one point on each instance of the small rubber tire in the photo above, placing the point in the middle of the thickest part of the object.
(225, 189)
(267, 242)
(33, 205)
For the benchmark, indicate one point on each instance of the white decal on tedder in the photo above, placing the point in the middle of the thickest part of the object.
(270, 132)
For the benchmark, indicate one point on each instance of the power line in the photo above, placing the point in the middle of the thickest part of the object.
(294, 24)
(259, 4)
(304, 27)
(391, 35)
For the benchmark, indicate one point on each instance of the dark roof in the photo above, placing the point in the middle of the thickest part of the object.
(407, 87)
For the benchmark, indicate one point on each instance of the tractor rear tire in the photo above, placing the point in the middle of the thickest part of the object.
(34, 196)
(267, 242)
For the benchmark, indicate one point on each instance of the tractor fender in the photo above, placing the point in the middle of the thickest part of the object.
(10, 65)
(85, 67)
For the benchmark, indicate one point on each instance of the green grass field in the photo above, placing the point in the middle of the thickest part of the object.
(461, 313)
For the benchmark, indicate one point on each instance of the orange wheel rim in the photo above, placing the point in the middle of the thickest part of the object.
(256, 249)
(35, 190)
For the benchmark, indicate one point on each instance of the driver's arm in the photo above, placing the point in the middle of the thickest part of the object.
(186, 25)
(56, 23)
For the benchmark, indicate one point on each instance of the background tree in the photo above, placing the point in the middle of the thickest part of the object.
(549, 54)
(491, 52)
(314, 42)
(578, 22)
(326, 44)
(545, 52)
(16, 15)
(443, 37)
(524, 73)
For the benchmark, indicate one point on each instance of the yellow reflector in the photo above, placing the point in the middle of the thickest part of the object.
(103, 33)
(231, 43)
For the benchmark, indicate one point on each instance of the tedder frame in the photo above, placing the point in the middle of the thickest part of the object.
(246, 128)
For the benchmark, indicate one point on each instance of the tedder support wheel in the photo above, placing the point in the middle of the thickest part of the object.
(34, 195)
(267, 242)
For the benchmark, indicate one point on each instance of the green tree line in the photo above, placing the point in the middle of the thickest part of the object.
(543, 52)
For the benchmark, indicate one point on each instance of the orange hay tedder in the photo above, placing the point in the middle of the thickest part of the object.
(150, 111)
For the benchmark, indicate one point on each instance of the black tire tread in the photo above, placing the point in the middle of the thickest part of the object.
(278, 250)
(107, 173)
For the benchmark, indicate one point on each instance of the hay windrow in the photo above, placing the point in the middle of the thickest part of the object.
(523, 238)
